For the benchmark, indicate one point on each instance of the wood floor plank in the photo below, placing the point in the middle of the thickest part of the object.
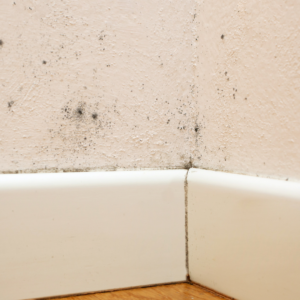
(181, 291)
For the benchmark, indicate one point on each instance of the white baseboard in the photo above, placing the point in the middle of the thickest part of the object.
(74, 233)
(82, 232)
(244, 235)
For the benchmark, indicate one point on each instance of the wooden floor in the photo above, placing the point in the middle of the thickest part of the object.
(180, 291)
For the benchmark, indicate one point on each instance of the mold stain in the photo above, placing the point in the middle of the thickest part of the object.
(189, 164)
(10, 104)
(79, 111)
(80, 127)
(81, 122)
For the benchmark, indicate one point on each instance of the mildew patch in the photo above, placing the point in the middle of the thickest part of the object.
(86, 114)
(10, 104)
(79, 112)
(107, 168)
(101, 37)
(189, 164)
(81, 125)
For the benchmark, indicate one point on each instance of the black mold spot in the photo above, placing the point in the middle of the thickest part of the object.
(101, 37)
(225, 73)
(10, 103)
(188, 165)
(196, 128)
(44, 62)
(1, 43)
(94, 116)
(79, 111)
(222, 36)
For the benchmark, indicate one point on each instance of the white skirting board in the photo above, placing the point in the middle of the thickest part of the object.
(244, 235)
(72, 233)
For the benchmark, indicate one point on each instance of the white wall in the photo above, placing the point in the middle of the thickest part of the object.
(249, 87)
(161, 83)
(128, 63)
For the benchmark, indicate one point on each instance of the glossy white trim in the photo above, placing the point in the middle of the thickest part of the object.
(83, 232)
(244, 235)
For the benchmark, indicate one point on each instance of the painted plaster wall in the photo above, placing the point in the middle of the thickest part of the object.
(95, 84)
(248, 77)
(150, 84)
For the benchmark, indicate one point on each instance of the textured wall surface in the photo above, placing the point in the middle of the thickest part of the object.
(248, 77)
(95, 84)
(150, 84)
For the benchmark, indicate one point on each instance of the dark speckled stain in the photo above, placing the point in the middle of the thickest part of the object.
(10, 103)
(222, 36)
(44, 62)
(188, 164)
(1, 43)
(79, 111)
(78, 120)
